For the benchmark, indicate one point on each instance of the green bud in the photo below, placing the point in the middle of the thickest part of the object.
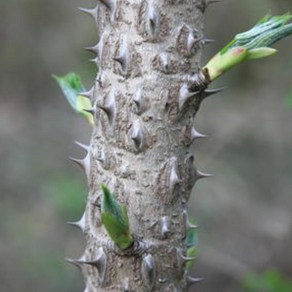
(250, 45)
(221, 63)
(115, 219)
(72, 86)
(260, 53)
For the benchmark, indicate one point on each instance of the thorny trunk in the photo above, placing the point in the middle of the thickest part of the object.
(142, 142)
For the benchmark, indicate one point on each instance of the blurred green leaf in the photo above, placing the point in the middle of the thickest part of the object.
(270, 281)
(67, 195)
(72, 86)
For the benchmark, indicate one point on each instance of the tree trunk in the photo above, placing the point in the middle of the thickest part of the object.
(142, 142)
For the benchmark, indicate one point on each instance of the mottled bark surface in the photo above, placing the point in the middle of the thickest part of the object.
(142, 142)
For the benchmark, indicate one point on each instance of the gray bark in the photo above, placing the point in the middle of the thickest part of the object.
(142, 142)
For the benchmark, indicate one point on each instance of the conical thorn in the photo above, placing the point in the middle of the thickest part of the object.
(75, 262)
(122, 61)
(174, 177)
(191, 281)
(137, 137)
(165, 226)
(79, 224)
(209, 92)
(90, 11)
(154, 21)
(93, 49)
(205, 41)
(200, 175)
(191, 226)
(82, 146)
(196, 135)
(80, 162)
(95, 61)
(107, 110)
(88, 94)
(184, 95)
(90, 110)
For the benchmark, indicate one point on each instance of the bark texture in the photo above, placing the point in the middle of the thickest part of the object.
(142, 142)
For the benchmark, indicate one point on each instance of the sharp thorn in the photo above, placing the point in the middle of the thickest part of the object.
(88, 94)
(93, 49)
(209, 92)
(82, 146)
(200, 175)
(91, 111)
(191, 226)
(207, 41)
(90, 11)
(74, 262)
(197, 135)
(80, 162)
(191, 280)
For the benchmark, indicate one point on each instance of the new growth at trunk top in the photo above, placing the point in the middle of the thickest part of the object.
(250, 45)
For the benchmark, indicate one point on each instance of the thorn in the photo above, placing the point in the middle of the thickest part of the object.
(101, 158)
(90, 110)
(165, 62)
(94, 49)
(140, 102)
(183, 260)
(184, 95)
(79, 224)
(91, 12)
(138, 136)
(89, 94)
(191, 41)
(109, 107)
(74, 262)
(80, 162)
(187, 259)
(165, 222)
(122, 61)
(205, 41)
(154, 22)
(148, 271)
(82, 146)
(83, 163)
(200, 175)
(191, 280)
(173, 177)
(99, 263)
(196, 135)
(108, 111)
(95, 61)
(191, 226)
(209, 92)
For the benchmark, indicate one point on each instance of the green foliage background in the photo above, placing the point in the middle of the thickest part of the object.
(244, 212)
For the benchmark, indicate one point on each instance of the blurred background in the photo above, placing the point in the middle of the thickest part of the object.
(244, 211)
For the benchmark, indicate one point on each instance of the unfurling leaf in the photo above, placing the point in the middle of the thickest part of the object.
(250, 45)
(115, 219)
(72, 87)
